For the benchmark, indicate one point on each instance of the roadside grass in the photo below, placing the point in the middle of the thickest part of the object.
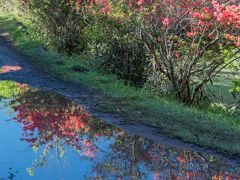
(8, 89)
(209, 128)
(221, 88)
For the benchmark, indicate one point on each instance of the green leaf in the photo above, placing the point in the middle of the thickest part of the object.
(35, 148)
(30, 171)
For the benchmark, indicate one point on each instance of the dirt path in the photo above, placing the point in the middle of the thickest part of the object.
(33, 77)
(30, 75)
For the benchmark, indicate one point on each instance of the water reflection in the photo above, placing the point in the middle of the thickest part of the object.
(63, 134)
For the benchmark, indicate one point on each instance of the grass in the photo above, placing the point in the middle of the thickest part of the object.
(8, 89)
(205, 127)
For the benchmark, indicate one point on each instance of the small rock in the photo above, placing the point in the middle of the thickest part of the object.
(19, 24)
(79, 69)
(22, 27)
(60, 62)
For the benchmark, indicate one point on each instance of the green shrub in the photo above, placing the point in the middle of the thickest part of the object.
(59, 22)
(236, 94)
(8, 5)
(112, 41)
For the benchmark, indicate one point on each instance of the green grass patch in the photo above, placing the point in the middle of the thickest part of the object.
(205, 127)
(8, 89)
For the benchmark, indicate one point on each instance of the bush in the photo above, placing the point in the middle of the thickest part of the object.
(187, 45)
(188, 42)
(235, 107)
(127, 61)
(112, 41)
(8, 5)
(59, 22)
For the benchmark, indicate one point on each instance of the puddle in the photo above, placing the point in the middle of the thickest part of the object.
(45, 136)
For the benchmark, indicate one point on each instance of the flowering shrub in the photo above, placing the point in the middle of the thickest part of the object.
(102, 6)
(189, 42)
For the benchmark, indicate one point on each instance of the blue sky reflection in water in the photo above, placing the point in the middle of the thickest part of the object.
(45, 136)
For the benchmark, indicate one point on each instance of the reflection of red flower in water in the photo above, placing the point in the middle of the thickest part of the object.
(67, 124)
(181, 159)
(49, 125)
(89, 149)
(156, 176)
(6, 69)
(218, 177)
